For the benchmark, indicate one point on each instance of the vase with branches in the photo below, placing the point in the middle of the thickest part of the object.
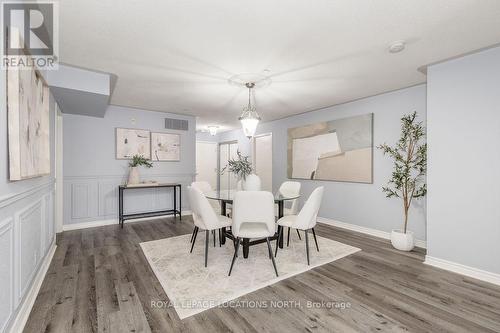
(137, 161)
(409, 154)
(240, 166)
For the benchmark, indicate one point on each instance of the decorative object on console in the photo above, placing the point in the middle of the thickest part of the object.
(166, 147)
(28, 99)
(408, 178)
(338, 150)
(131, 141)
(137, 160)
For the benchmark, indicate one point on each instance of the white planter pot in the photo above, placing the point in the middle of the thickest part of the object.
(251, 183)
(133, 176)
(402, 241)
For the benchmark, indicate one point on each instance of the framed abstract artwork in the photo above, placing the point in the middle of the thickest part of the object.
(337, 150)
(28, 114)
(165, 147)
(132, 141)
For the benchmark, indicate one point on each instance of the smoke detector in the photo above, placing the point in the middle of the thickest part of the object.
(397, 46)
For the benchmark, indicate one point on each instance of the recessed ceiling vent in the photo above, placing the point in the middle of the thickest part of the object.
(176, 124)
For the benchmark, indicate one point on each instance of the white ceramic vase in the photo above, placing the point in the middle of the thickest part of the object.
(133, 176)
(402, 241)
(251, 183)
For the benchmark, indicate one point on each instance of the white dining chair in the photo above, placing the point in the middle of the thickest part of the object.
(305, 220)
(253, 217)
(205, 188)
(290, 189)
(205, 218)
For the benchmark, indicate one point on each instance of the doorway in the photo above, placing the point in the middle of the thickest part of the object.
(227, 151)
(263, 160)
(206, 162)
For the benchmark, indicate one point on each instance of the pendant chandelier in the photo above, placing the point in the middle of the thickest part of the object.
(249, 117)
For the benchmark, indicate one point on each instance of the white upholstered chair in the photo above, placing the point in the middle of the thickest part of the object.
(205, 188)
(204, 217)
(305, 220)
(253, 217)
(290, 189)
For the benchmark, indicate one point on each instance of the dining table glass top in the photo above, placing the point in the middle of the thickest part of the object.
(228, 195)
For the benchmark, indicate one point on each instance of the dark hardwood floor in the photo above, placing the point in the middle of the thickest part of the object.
(100, 281)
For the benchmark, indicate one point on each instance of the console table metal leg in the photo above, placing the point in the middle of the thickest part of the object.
(180, 202)
(120, 207)
(175, 202)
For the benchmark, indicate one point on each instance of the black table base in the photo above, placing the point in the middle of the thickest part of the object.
(246, 241)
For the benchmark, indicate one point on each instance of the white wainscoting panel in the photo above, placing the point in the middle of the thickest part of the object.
(80, 200)
(6, 271)
(107, 198)
(29, 225)
(95, 198)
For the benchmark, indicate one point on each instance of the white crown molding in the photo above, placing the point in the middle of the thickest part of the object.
(25, 307)
(463, 269)
(100, 223)
(365, 230)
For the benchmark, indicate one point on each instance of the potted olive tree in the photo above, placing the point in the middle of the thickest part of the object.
(408, 176)
(242, 168)
(137, 161)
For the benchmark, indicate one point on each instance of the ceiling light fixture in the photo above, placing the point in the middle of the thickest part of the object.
(249, 117)
(213, 130)
(397, 46)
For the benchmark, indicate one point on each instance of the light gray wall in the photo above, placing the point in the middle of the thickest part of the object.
(464, 160)
(26, 222)
(205, 136)
(92, 174)
(361, 204)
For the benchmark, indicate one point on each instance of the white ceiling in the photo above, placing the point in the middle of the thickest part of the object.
(177, 56)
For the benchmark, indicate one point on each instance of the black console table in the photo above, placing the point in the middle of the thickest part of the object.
(122, 217)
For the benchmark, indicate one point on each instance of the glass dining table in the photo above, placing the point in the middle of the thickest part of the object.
(226, 197)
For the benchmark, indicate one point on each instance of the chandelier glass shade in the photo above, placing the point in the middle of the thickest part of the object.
(249, 117)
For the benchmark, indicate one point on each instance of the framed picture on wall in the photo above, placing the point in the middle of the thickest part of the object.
(165, 147)
(132, 141)
(28, 116)
(337, 150)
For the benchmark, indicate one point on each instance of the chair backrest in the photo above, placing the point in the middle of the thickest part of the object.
(204, 215)
(289, 188)
(306, 219)
(203, 186)
(253, 206)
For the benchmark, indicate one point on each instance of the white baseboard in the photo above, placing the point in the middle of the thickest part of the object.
(365, 230)
(464, 270)
(100, 223)
(23, 313)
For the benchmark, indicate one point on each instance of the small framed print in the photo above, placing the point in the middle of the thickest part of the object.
(131, 141)
(165, 147)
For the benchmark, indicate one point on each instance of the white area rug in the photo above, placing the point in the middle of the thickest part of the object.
(192, 288)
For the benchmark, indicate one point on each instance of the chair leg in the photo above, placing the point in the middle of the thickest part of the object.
(278, 241)
(220, 237)
(192, 235)
(288, 237)
(307, 247)
(272, 258)
(195, 233)
(298, 233)
(235, 255)
(207, 240)
(315, 240)
(213, 233)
